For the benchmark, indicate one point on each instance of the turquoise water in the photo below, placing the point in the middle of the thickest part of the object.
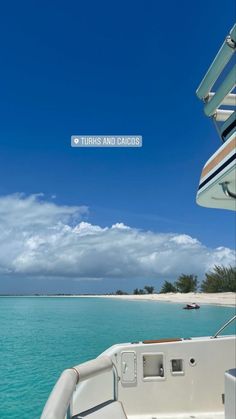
(40, 336)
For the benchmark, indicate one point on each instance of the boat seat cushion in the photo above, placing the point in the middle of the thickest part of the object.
(107, 410)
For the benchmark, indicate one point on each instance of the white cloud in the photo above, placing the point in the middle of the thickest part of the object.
(41, 239)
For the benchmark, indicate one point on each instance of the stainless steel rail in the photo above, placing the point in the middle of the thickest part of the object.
(225, 88)
(222, 115)
(229, 100)
(224, 327)
(59, 402)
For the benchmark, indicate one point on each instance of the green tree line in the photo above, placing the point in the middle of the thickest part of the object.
(220, 279)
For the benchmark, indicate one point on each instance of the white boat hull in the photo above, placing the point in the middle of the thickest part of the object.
(218, 170)
(196, 391)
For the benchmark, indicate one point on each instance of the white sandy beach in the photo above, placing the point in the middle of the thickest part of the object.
(218, 299)
(223, 299)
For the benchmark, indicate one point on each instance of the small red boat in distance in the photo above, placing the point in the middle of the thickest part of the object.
(192, 306)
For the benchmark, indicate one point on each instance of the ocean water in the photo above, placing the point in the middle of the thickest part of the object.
(41, 336)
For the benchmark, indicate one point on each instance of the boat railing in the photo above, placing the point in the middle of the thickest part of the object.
(221, 60)
(224, 327)
(224, 94)
(60, 401)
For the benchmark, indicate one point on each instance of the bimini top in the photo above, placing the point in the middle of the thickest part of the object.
(217, 188)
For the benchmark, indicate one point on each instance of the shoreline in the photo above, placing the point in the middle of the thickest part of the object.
(227, 299)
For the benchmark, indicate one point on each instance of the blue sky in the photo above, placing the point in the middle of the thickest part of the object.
(127, 67)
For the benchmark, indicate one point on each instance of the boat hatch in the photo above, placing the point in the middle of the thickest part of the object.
(129, 367)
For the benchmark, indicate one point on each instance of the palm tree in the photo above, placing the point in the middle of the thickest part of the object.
(186, 283)
(220, 279)
(167, 287)
(149, 289)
